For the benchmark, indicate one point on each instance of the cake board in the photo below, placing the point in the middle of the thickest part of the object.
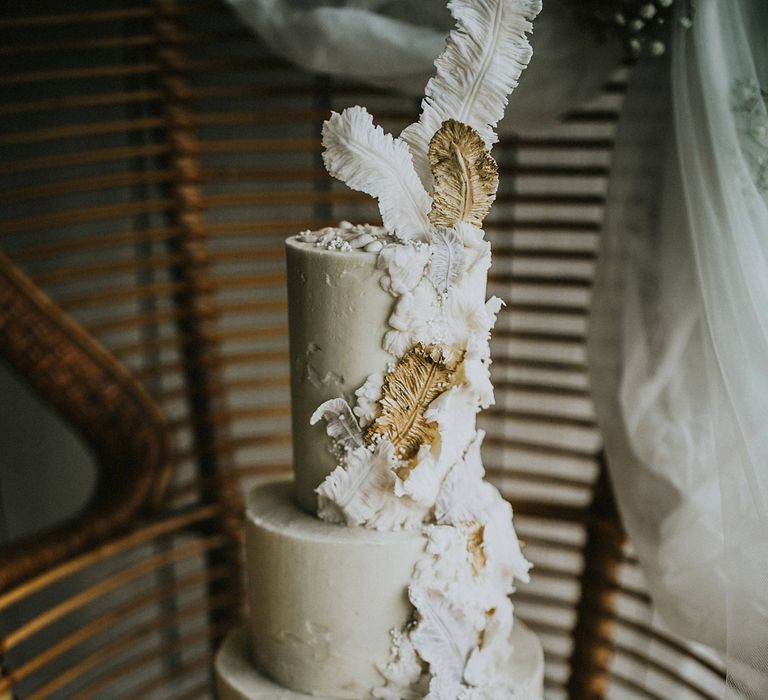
(238, 679)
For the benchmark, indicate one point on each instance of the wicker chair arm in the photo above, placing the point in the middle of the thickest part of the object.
(102, 401)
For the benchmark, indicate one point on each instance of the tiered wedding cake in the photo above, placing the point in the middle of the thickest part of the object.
(400, 588)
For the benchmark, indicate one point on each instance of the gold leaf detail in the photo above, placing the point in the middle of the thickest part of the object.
(466, 176)
(475, 539)
(418, 379)
(481, 636)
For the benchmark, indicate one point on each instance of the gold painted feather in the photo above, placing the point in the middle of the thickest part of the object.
(466, 176)
(419, 378)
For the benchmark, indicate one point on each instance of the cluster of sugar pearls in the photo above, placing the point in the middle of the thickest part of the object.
(347, 237)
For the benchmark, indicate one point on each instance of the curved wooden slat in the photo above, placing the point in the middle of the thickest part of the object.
(99, 397)
(113, 548)
(96, 628)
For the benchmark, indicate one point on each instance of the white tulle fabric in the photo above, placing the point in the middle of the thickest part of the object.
(394, 43)
(679, 334)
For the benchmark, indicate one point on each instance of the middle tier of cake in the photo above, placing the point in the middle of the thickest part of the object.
(324, 598)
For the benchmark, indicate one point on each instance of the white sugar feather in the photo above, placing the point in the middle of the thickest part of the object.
(443, 637)
(359, 488)
(341, 425)
(362, 491)
(422, 481)
(488, 660)
(447, 258)
(464, 495)
(398, 513)
(454, 414)
(501, 544)
(368, 160)
(479, 68)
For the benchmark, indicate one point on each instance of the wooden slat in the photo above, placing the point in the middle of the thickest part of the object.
(173, 523)
(134, 605)
(85, 596)
(83, 157)
(89, 17)
(83, 214)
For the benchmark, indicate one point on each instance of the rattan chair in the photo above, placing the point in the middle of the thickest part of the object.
(153, 158)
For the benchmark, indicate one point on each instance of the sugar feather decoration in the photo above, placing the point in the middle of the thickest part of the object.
(447, 259)
(488, 658)
(360, 491)
(465, 495)
(466, 176)
(341, 425)
(368, 160)
(443, 637)
(408, 390)
(482, 62)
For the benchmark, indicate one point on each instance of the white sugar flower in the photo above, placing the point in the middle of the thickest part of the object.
(368, 396)
(404, 266)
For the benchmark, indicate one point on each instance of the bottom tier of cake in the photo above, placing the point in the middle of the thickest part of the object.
(323, 601)
(238, 679)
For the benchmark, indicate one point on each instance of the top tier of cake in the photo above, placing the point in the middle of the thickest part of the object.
(343, 287)
(338, 315)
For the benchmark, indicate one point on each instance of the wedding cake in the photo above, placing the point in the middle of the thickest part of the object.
(384, 569)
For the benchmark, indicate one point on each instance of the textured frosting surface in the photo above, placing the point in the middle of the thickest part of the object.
(338, 315)
(323, 598)
(237, 679)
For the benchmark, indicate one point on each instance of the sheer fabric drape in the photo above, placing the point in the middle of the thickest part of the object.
(393, 44)
(679, 333)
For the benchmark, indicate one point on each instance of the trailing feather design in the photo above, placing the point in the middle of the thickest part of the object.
(341, 424)
(480, 66)
(447, 259)
(466, 176)
(368, 160)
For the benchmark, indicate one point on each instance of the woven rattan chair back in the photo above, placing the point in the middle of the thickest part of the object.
(153, 158)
